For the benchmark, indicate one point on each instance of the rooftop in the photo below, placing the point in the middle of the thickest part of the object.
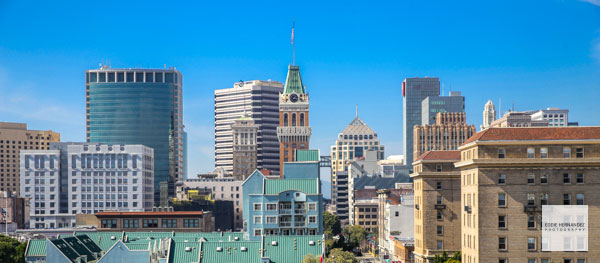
(276, 186)
(537, 134)
(151, 213)
(439, 156)
(293, 81)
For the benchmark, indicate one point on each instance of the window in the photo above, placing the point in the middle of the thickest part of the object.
(312, 219)
(530, 221)
(438, 167)
(531, 243)
(440, 230)
(502, 260)
(271, 219)
(440, 245)
(544, 179)
(579, 200)
(312, 206)
(438, 186)
(581, 260)
(150, 223)
(270, 207)
(502, 221)
(544, 152)
(579, 178)
(531, 260)
(531, 178)
(567, 152)
(191, 223)
(439, 215)
(501, 200)
(109, 223)
(567, 178)
(501, 153)
(579, 152)
(258, 220)
(169, 223)
(530, 199)
(544, 199)
(502, 243)
(501, 179)
(131, 223)
(257, 232)
(530, 152)
(439, 200)
(257, 206)
(566, 199)
(566, 260)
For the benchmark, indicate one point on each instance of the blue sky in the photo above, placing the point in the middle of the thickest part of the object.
(534, 54)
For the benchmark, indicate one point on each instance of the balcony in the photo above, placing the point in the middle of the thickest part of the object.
(300, 211)
(285, 211)
(299, 224)
(285, 224)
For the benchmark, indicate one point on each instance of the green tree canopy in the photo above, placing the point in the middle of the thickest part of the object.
(337, 255)
(331, 224)
(309, 258)
(355, 234)
(11, 250)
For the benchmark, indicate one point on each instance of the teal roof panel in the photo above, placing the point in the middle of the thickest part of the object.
(231, 252)
(277, 186)
(307, 155)
(292, 248)
(36, 248)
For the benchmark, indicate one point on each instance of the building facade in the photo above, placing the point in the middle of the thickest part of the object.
(139, 106)
(437, 221)
(15, 137)
(414, 91)
(509, 174)
(244, 147)
(292, 205)
(180, 221)
(554, 116)
(15, 212)
(394, 218)
(85, 178)
(260, 99)
(449, 131)
(294, 131)
(489, 114)
(433, 105)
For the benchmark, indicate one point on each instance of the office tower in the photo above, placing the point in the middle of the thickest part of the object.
(356, 142)
(437, 205)
(489, 114)
(449, 131)
(84, 178)
(292, 205)
(414, 91)
(260, 99)
(244, 147)
(139, 106)
(510, 175)
(15, 137)
(554, 116)
(432, 105)
(293, 131)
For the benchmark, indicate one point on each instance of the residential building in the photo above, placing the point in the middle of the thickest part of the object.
(15, 212)
(292, 205)
(394, 217)
(365, 209)
(489, 114)
(260, 99)
(244, 146)
(85, 178)
(357, 142)
(437, 195)
(432, 105)
(185, 155)
(139, 107)
(509, 175)
(15, 137)
(414, 91)
(180, 221)
(449, 131)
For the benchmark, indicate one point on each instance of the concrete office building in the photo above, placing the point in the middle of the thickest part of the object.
(260, 99)
(244, 147)
(85, 178)
(15, 137)
(180, 221)
(509, 174)
(433, 105)
(518, 119)
(449, 131)
(139, 106)
(554, 116)
(489, 114)
(437, 209)
(414, 91)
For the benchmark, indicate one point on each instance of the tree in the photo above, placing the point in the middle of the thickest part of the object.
(456, 258)
(355, 235)
(11, 250)
(309, 258)
(337, 255)
(332, 224)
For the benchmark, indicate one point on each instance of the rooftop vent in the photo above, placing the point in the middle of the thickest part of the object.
(188, 249)
(273, 243)
(244, 249)
(236, 238)
(219, 249)
(113, 237)
(311, 243)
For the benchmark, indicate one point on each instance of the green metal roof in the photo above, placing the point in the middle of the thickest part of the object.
(291, 248)
(179, 255)
(140, 245)
(307, 155)
(103, 239)
(36, 248)
(276, 186)
(231, 252)
(293, 81)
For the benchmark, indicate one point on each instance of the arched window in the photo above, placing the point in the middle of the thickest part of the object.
(293, 119)
(301, 119)
(285, 119)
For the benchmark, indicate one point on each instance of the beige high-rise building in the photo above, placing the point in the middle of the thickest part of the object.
(489, 114)
(13, 138)
(244, 146)
(449, 131)
(509, 174)
(437, 204)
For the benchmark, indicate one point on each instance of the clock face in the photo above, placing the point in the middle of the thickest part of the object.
(294, 97)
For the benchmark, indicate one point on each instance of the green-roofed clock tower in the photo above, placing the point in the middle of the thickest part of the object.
(293, 131)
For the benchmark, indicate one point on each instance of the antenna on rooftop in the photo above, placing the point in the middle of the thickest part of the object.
(356, 110)
(293, 45)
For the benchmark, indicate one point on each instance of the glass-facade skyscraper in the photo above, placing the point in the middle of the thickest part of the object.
(139, 106)
(414, 90)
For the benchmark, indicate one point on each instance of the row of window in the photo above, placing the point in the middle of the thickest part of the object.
(579, 199)
(273, 220)
(532, 244)
(150, 223)
(543, 153)
(531, 178)
(273, 206)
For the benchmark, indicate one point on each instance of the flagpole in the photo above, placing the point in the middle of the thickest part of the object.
(293, 45)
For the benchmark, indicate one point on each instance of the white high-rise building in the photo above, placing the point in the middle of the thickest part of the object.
(556, 117)
(489, 114)
(85, 178)
(260, 99)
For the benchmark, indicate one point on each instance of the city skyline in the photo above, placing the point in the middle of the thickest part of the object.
(43, 82)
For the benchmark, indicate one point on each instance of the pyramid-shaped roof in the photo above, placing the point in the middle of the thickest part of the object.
(293, 81)
(357, 126)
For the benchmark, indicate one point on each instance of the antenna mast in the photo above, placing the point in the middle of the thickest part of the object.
(293, 45)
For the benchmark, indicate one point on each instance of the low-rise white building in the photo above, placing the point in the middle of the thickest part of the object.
(85, 178)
